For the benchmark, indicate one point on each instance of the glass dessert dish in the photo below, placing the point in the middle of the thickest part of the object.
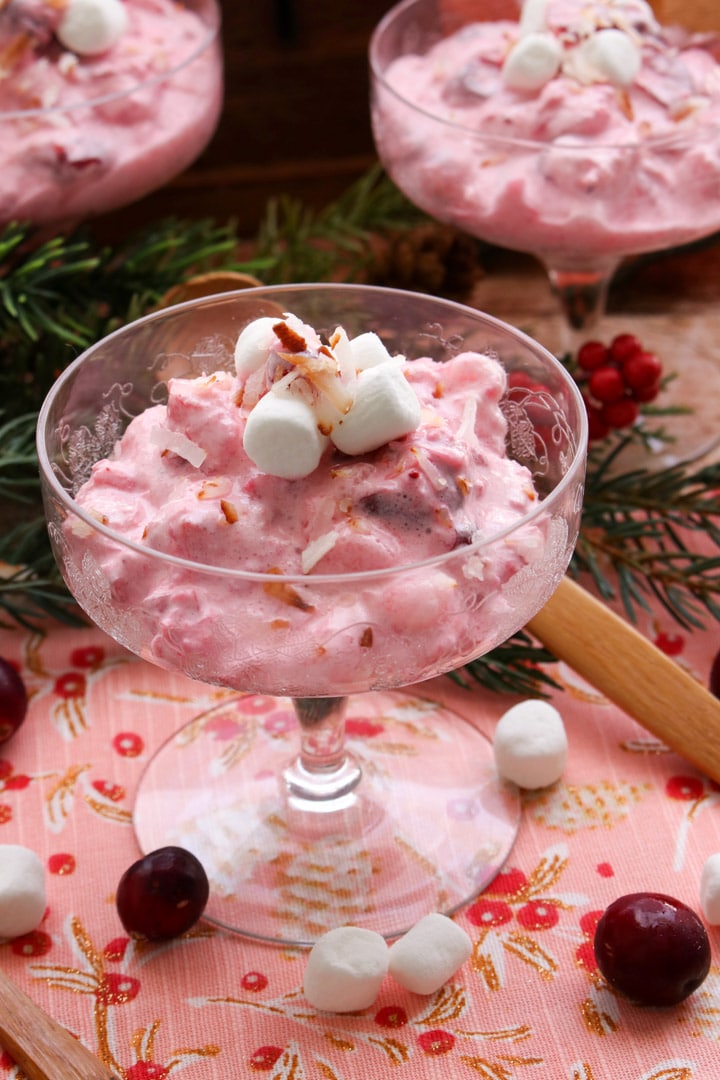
(83, 133)
(579, 133)
(392, 808)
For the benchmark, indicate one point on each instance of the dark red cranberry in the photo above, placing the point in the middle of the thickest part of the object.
(163, 894)
(652, 948)
(13, 700)
(644, 394)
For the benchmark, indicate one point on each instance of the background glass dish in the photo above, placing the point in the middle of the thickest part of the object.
(66, 162)
(580, 205)
(412, 818)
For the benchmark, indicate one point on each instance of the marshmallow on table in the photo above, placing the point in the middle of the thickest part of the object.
(22, 890)
(91, 27)
(530, 744)
(429, 954)
(282, 436)
(385, 407)
(710, 890)
(345, 969)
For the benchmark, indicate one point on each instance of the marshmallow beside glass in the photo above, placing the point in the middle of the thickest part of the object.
(530, 744)
(22, 891)
(710, 890)
(305, 394)
(346, 966)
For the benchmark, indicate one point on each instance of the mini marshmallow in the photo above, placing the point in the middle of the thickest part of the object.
(533, 17)
(530, 744)
(710, 890)
(22, 891)
(254, 344)
(368, 350)
(608, 55)
(386, 407)
(532, 62)
(429, 954)
(345, 969)
(282, 437)
(91, 27)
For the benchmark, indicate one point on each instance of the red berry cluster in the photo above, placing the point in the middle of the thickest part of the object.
(617, 379)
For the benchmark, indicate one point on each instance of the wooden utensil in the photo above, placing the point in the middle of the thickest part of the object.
(617, 660)
(41, 1047)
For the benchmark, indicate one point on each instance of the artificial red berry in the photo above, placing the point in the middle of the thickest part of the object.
(597, 428)
(620, 414)
(13, 700)
(606, 384)
(592, 355)
(163, 894)
(646, 393)
(642, 369)
(715, 677)
(652, 948)
(623, 346)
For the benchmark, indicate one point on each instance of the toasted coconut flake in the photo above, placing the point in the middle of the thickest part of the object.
(466, 431)
(215, 487)
(291, 340)
(317, 549)
(366, 638)
(229, 511)
(286, 594)
(179, 444)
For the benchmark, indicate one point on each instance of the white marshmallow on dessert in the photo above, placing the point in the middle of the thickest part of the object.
(532, 62)
(530, 744)
(710, 890)
(345, 969)
(282, 436)
(22, 890)
(385, 408)
(91, 27)
(429, 954)
(609, 55)
(253, 345)
(368, 350)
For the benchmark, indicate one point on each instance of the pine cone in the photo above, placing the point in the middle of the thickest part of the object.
(430, 258)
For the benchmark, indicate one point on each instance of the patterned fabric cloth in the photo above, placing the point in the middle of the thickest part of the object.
(627, 815)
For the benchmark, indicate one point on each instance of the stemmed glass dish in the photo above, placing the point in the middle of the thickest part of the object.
(406, 815)
(80, 136)
(577, 172)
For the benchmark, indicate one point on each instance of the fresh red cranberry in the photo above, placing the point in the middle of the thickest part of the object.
(624, 346)
(13, 700)
(652, 948)
(714, 682)
(620, 414)
(641, 370)
(606, 384)
(163, 894)
(592, 355)
(645, 394)
(597, 428)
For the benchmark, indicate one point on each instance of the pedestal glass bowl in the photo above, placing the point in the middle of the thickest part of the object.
(406, 815)
(544, 172)
(80, 136)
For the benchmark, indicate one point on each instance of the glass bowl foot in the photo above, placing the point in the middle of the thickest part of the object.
(428, 826)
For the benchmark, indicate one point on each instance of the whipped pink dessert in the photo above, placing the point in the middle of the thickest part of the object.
(242, 471)
(101, 101)
(583, 131)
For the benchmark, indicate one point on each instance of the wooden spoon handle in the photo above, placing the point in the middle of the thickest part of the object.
(617, 660)
(42, 1048)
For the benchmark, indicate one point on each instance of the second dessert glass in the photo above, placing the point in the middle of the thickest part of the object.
(579, 201)
(392, 808)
